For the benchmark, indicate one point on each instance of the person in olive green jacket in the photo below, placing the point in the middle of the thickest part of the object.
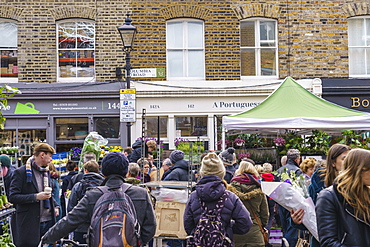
(245, 184)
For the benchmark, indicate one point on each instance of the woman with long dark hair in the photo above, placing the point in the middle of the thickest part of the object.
(343, 210)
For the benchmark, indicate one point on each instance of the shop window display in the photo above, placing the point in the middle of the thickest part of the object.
(25, 140)
(152, 127)
(71, 128)
(191, 126)
(8, 49)
(76, 48)
(108, 127)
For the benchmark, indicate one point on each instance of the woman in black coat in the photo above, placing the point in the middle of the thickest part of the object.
(343, 210)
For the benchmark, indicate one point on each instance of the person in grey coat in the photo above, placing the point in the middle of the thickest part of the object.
(114, 168)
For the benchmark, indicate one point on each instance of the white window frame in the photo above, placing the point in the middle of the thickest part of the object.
(367, 48)
(9, 79)
(185, 49)
(258, 48)
(74, 79)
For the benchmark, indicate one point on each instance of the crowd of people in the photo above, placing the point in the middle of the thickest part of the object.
(231, 191)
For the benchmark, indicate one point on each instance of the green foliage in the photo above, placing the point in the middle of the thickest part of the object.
(353, 139)
(6, 239)
(185, 147)
(317, 143)
(6, 92)
(250, 140)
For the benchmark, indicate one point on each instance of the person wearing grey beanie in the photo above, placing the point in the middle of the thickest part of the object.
(228, 158)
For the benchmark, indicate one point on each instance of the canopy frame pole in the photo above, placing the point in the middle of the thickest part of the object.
(223, 138)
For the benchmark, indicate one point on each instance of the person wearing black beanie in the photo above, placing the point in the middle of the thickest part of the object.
(114, 163)
(114, 168)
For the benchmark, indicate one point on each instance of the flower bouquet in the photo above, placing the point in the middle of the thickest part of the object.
(92, 144)
(290, 195)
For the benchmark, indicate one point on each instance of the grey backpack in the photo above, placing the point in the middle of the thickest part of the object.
(114, 221)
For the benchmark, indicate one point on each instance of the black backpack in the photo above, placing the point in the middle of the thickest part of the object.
(210, 231)
(114, 221)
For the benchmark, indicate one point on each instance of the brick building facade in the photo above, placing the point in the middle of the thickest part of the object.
(312, 42)
(312, 35)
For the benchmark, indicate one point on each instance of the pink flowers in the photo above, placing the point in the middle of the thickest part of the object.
(279, 141)
(239, 141)
(243, 155)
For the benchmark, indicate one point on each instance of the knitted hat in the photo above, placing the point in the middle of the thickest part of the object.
(212, 165)
(228, 156)
(114, 163)
(176, 155)
(5, 160)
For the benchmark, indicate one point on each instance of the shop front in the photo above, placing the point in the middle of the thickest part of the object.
(62, 119)
(350, 93)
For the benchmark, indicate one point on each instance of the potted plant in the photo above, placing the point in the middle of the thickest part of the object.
(238, 142)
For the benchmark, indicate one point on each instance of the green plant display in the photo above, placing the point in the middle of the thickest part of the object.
(6, 92)
(354, 140)
(6, 239)
(196, 150)
(317, 143)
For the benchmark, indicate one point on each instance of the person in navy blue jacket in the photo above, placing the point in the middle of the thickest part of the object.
(210, 189)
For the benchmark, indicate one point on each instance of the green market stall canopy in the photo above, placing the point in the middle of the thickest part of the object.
(292, 107)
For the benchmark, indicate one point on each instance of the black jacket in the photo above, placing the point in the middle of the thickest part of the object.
(336, 223)
(179, 172)
(88, 181)
(84, 211)
(136, 152)
(27, 217)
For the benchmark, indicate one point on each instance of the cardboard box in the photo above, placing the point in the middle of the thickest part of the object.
(170, 219)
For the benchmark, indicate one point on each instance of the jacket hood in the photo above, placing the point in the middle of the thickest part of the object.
(137, 144)
(268, 177)
(181, 164)
(92, 176)
(245, 192)
(210, 188)
(132, 180)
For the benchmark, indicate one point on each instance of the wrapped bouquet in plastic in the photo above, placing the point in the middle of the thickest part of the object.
(288, 196)
(92, 144)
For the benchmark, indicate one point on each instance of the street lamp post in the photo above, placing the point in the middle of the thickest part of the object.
(127, 32)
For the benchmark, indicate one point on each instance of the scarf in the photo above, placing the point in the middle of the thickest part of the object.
(247, 179)
(31, 164)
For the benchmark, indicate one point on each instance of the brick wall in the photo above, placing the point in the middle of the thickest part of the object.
(312, 34)
(37, 20)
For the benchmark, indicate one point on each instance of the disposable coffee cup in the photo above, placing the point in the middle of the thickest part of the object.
(48, 189)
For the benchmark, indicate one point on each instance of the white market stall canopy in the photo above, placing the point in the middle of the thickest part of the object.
(291, 106)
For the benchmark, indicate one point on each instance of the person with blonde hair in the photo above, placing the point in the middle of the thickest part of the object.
(246, 186)
(343, 210)
(307, 167)
(259, 169)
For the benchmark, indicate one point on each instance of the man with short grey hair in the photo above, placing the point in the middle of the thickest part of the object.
(293, 161)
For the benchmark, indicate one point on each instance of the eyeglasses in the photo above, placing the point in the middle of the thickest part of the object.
(146, 167)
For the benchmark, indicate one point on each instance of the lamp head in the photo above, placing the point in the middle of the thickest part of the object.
(127, 32)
